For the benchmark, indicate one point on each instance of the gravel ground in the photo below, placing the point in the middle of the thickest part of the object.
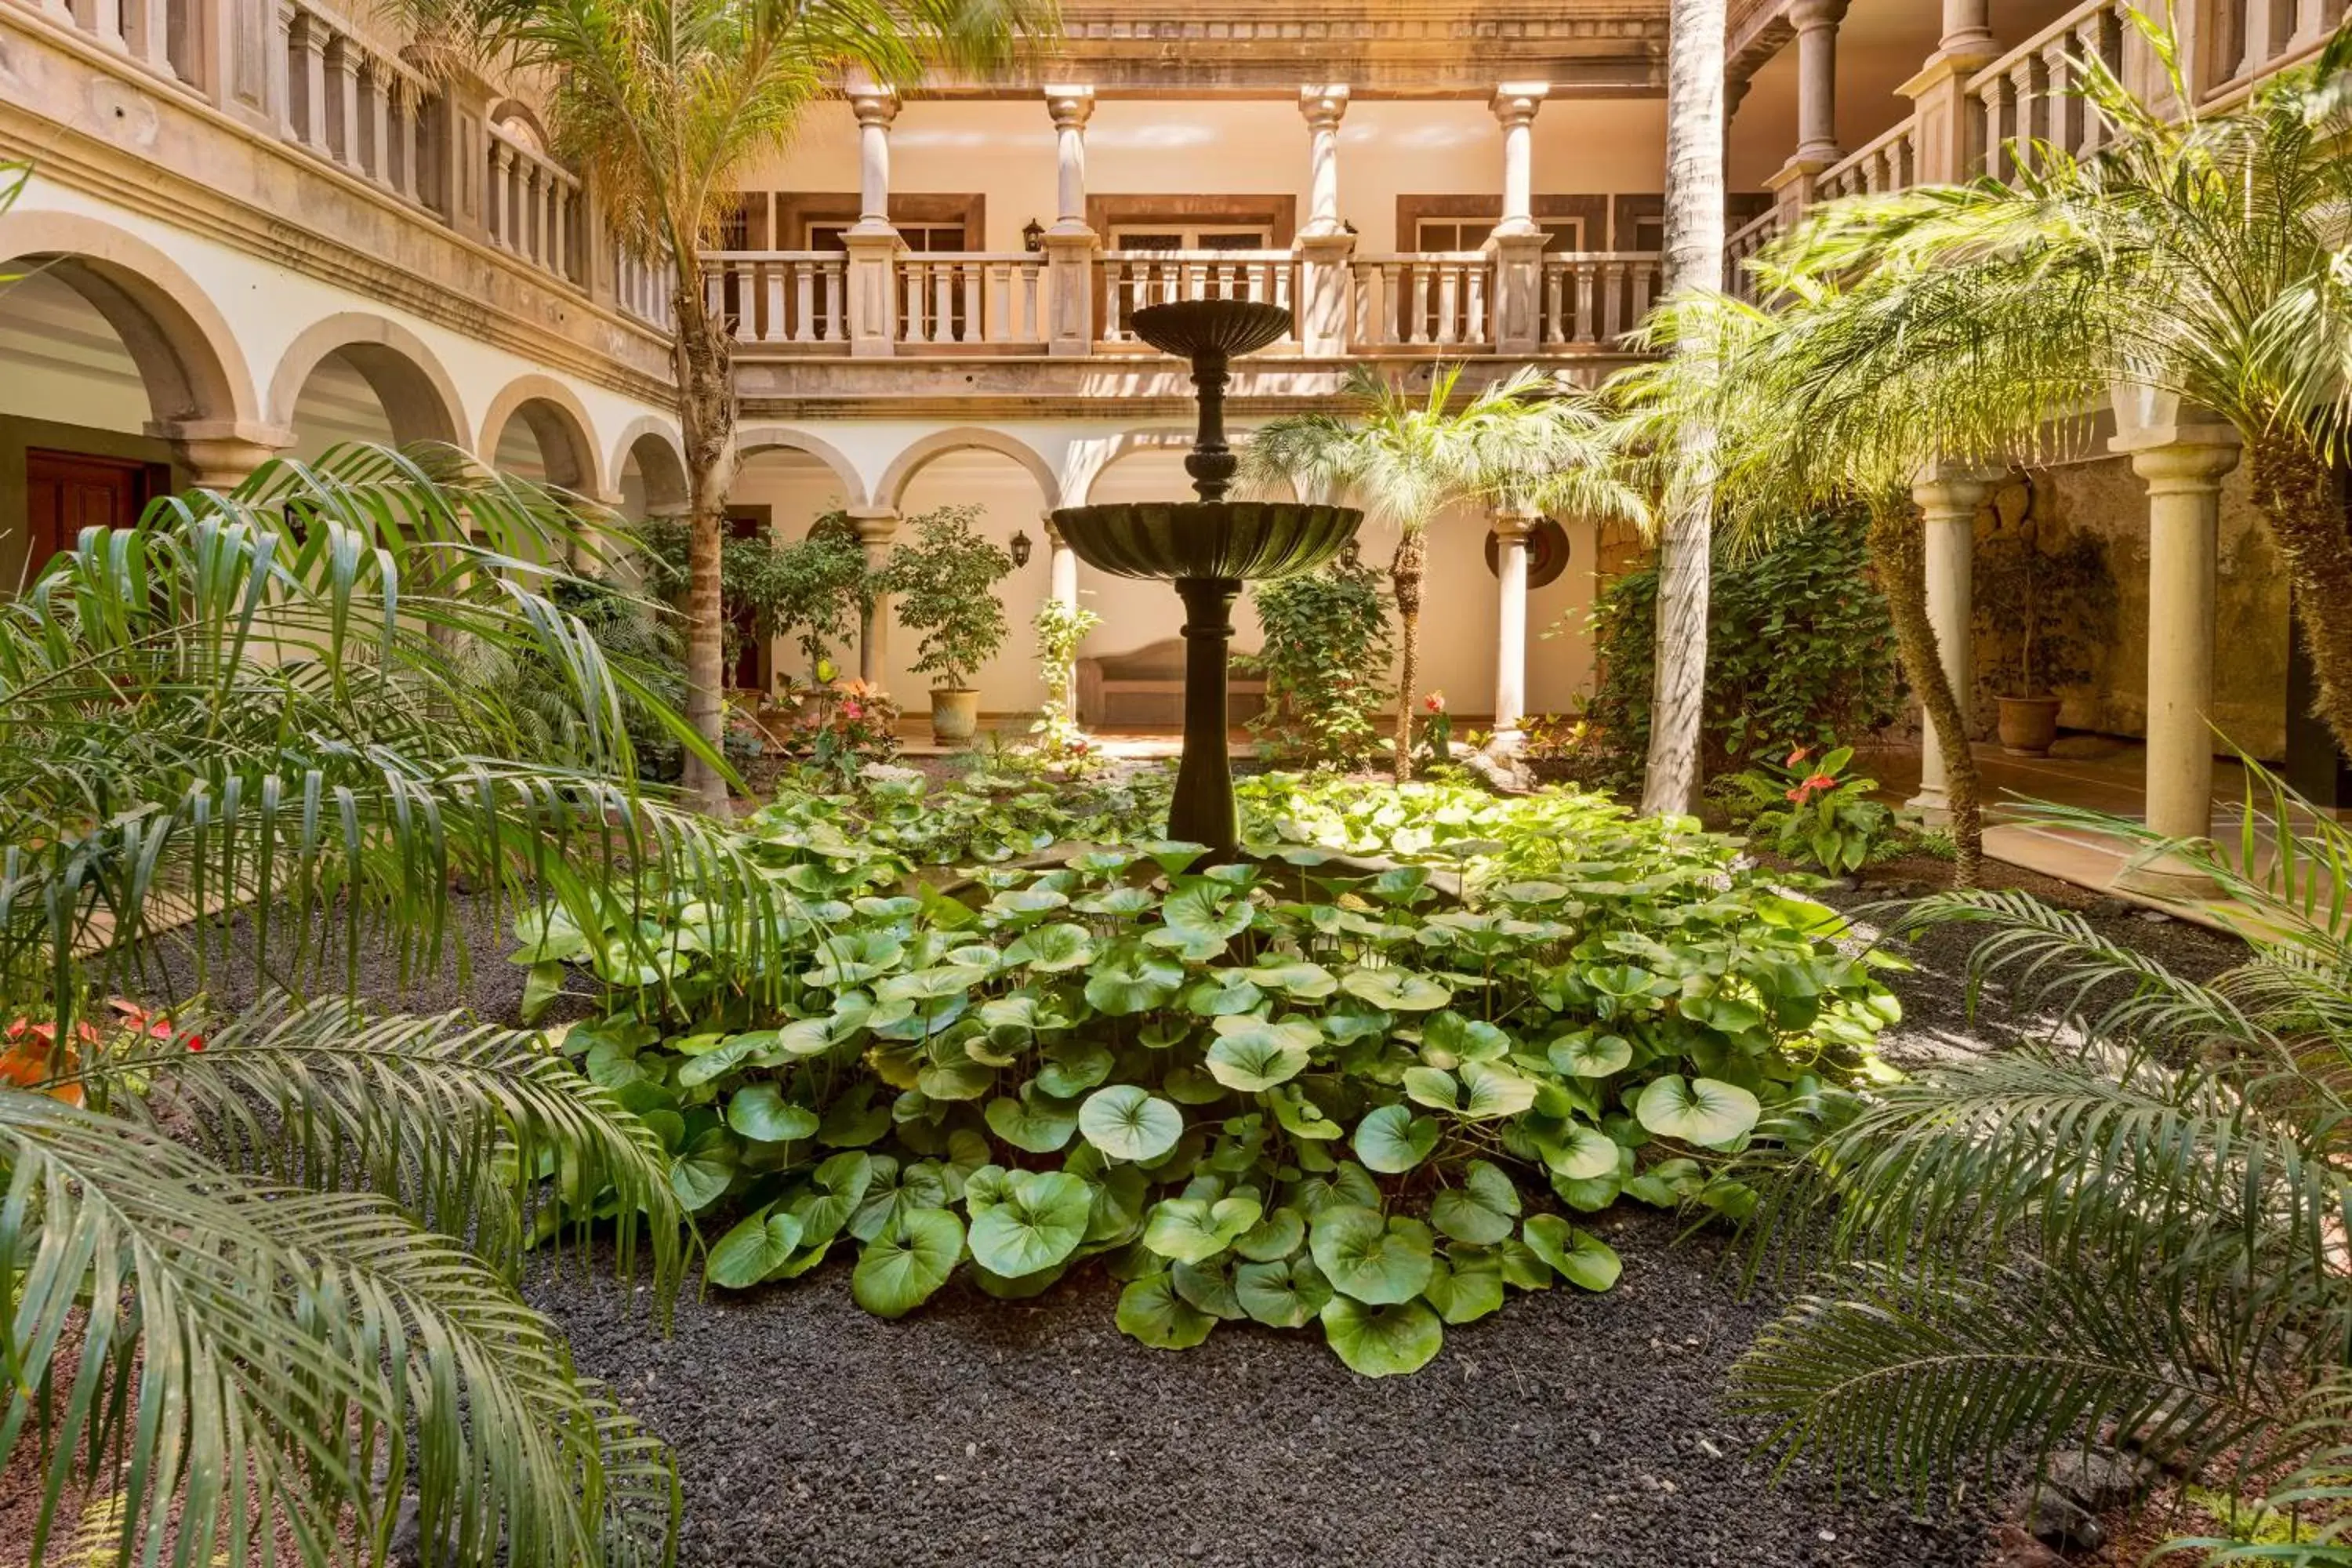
(1568, 1428)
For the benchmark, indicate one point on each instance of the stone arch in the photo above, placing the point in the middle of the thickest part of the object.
(510, 112)
(186, 353)
(420, 401)
(558, 418)
(1089, 458)
(660, 461)
(963, 438)
(765, 437)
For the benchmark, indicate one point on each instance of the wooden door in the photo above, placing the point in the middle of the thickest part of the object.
(68, 492)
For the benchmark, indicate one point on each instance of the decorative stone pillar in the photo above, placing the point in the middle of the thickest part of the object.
(221, 454)
(1517, 244)
(1069, 244)
(876, 527)
(1062, 588)
(307, 83)
(1816, 22)
(1326, 249)
(1944, 128)
(1511, 529)
(1947, 503)
(872, 243)
(2182, 465)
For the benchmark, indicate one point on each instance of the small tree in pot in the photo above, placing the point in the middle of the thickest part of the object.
(944, 585)
(2043, 602)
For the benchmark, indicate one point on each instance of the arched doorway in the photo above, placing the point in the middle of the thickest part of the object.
(1007, 492)
(355, 377)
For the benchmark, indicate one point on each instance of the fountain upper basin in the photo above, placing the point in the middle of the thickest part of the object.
(1251, 541)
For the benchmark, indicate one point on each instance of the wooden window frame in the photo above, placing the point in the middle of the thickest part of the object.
(1277, 214)
(792, 212)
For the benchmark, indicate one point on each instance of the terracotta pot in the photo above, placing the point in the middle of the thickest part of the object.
(955, 712)
(2028, 725)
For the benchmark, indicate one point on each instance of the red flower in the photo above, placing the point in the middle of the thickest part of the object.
(1434, 702)
(1820, 781)
(852, 711)
(1799, 755)
(1797, 795)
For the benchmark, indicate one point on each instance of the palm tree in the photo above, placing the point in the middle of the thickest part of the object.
(662, 104)
(1521, 442)
(2140, 1231)
(1694, 238)
(1731, 369)
(2197, 256)
(287, 1243)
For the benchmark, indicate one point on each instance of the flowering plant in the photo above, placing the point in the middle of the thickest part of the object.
(839, 724)
(1813, 812)
(1436, 747)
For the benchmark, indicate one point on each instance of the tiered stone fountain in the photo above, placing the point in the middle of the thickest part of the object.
(1208, 548)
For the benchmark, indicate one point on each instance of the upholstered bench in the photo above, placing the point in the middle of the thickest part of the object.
(1145, 690)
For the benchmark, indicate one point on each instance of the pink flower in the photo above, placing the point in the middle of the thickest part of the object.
(1799, 755)
(1434, 702)
(852, 711)
(1820, 781)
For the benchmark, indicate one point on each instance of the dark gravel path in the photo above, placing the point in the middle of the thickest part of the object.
(1568, 1428)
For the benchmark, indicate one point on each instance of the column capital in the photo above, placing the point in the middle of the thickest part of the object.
(1806, 16)
(874, 525)
(1071, 104)
(1323, 106)
(1510, 524)
(1515, 103)
(2190, 458)
(1952, 493)
(873, 104)
(220, 454)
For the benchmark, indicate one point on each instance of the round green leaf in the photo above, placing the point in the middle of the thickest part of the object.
(1707, 1111)
(1277, 1235)
(762, 1114)
(1132, 982)
(1285, 1293)
(1484, 1210)
(753, 1250)
(1073, 1066)
(1378, 1261)
(1037, 1221)
(1035, 1122)
(1193, 1230)
(1580, 1153)
(1477, 1091)
(1296, 978)
(901, 1267)
(1578, 1257)
(1251, 1054)
(1465, 1287)
(1381, 1341)
(1151, 1311)
(959, 1079)
(1393, 1140)
(1227, 993)
(1210, 1287)
(1126, 1123)
(1053, 948)
(1396, 990)
(1587, 1054)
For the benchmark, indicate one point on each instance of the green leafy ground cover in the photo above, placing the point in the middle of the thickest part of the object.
(1299, 1091)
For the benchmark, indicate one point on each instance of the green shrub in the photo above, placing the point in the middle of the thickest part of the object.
(1800, 651)
(1325, 658)
(944, 582)
(1307, 1090)
(1813, 812)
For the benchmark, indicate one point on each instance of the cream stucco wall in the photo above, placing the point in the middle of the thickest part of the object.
(1003, 150)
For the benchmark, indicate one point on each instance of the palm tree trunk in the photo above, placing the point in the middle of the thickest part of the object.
(706, 415)
(1694, 259)
(1404, 576)
(1899, 552)
(2297, 492)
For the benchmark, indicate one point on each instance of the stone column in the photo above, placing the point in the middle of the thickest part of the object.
(1816, 22)
(1944, 133)
(876, 527)
(872, 243)
(1062, 588)
(1326, 249)
(2182, 465)
(221, 454)
(1517, 307)
(1947, 503)
(1511, 529)
(1070, 243)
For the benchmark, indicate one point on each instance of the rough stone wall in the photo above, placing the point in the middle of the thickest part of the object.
(2106, 498)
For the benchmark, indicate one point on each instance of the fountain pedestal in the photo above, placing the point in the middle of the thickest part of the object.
(1209, 548)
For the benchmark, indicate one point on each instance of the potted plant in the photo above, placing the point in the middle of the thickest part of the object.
(2042, 605)
(944, 583)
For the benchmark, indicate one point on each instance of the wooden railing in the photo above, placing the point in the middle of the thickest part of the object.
(1424, 299)
(972, 298)
(1128, 281)
(1596, 297)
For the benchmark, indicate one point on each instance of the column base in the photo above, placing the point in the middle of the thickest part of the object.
(2168, 878)
(1932, 806)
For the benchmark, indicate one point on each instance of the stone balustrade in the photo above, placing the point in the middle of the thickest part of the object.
(642, 288)
(532, 206)
(1422, 300)
(1594, 299)
(973, 298)
(1890, 163)
(2032, 94)
(1129, 280)
(1744, 244)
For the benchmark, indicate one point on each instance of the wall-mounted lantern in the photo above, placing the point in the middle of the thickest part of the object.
(1020, 543)
(1033, 236)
